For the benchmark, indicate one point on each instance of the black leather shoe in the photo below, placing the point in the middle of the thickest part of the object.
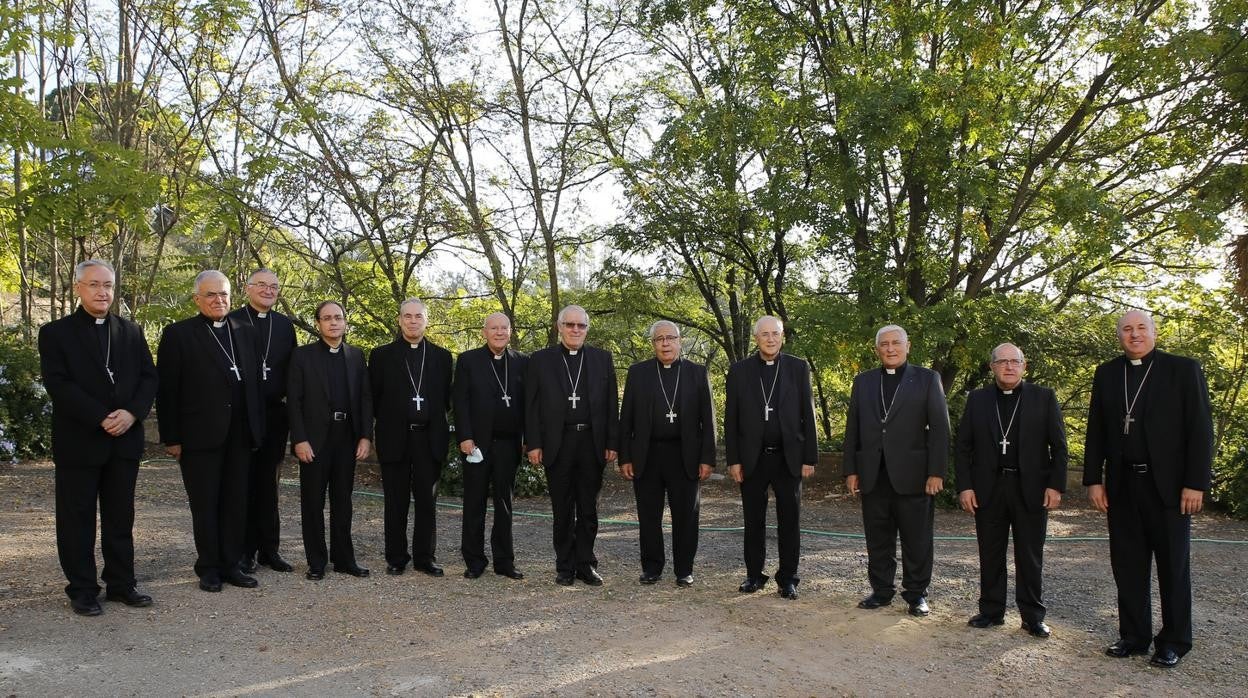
(982, 620)
(510, 574)
(874, 601)
(648, 579)
(430, 569)
(919, 607)
(563, 580)
(1164, 658)
(472, 574)
(353, 569)
(788, 590)
(590, 576)
(752, 584)
(239, 579)
(86, 606)
(272, 561)
(1122, 648)
(685, 581)
(210, 584)
(396, 569)
(247, 564)
(315, 574)
(1038, 629)
(130, 597)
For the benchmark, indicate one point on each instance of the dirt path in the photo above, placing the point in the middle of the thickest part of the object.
(414, 635)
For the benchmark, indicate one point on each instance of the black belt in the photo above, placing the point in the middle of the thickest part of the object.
(418, 427)
(577, 427)
(341, 416)
(1138, 468)
(772, 450)
(1007, 469)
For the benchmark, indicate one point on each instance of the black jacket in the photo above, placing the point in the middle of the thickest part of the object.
(693, 400)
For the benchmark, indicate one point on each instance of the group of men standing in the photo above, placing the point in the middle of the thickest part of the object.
(232, 389)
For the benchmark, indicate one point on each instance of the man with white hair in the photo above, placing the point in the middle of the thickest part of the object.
(1147, 464)
(211, 418)
(895, 455)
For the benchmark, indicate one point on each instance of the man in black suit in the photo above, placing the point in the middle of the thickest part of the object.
(1010, 461)
(572, 428)
(331, 425)
(667, 448)
(896, 444)
(769, 438)
(411, 382)
(275, 340)
(1147, 463)
(98, 371)
(209, 409)
(489, 422)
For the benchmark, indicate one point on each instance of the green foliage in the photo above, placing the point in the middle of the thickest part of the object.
(25, 408)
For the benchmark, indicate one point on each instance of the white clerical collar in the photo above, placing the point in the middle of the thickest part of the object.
(1008, 392)
(890, 371)
(218, 324)
(100, 320)
(572, 352)
(415, 345)
(261, 315)
(498, 356)
(334, 350)
(672, 364)
(1136, 362)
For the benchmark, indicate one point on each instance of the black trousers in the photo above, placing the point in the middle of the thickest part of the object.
(333, 468)
(885, 514)
(412, 485)
(663, 476)
(78, 488)
(264, 526)
(1005, 511)
(1141, 528)
(574, 480)
(772, 472)
(498, 473)
(216, 485)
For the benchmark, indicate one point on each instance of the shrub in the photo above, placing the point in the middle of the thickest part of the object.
(25, 408)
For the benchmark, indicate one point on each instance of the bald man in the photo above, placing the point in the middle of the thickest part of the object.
(1147, 463)
(1010, 461)
(488, 396)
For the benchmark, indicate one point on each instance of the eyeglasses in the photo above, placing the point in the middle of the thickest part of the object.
(94, 286)
(664, 339)
(213, 295)
(268, 287)
(576, 325)
(1008, 362)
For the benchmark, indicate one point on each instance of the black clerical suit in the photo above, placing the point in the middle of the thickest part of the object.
(769, 428)
(217, 418)
(667, 430)
(330, 404)
(412, 437)
(1169, 447)
(76, 355)
(489, 410)
(574, 435)
(275, 340)
(1009, 485)
(893, 456)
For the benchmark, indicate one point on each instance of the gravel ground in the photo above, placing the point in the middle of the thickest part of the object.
(415, 635)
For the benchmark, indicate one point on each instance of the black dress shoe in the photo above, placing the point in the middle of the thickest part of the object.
(1038, 629)
(210, 584)
(353, 569)
(239, 579)
(1122, 648)
(874, 601)
(130, 597)
(590, 576)
(788, 590)
(752, 584)
(273, 561)
(983, 620)
(247, 564)
(510, 574)
(430, 569)
(86, 606)
(315, 574)
(685, 581)
(396, 569)
(648, 578)
(919, 607)
(563, 580)
(472, 574)
(1164, 658)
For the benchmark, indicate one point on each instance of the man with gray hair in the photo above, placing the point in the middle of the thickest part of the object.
(667, 447)
(895, 455)
(209, 409)
(1010, 461)
(99, 374)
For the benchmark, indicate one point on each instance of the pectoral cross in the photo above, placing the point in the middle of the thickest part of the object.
(767, 410)
(237, 376)
(420, 401)
(1126, 423)
(671, 417)
(573, 398)
(1005, 443)
(264, 371)
(507, 400)
(110, 375)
